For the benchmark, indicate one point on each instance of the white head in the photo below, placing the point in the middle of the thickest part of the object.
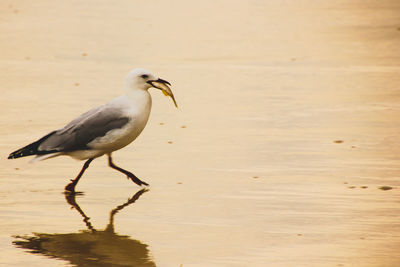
(137, 79)
(141, 79)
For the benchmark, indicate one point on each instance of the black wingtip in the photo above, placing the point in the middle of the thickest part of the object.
(15, 154)
(26, 151)
(18, 153)
(31, 149)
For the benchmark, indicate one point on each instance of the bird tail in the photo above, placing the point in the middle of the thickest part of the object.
(31, 149)
(45, 156)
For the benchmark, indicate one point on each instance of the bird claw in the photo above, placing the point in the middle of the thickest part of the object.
(136, 180)
(70, 188)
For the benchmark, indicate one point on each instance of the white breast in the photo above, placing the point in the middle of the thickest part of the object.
(136, 106)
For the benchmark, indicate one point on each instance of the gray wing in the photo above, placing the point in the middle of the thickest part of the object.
(84, 129)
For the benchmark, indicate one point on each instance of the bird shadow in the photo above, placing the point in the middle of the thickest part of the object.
(90, 247)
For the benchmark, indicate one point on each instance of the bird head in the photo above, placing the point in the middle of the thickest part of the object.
(143, 79)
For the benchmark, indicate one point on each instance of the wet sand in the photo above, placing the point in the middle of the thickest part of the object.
(285, 139)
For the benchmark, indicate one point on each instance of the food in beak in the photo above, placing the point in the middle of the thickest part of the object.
(165, 89)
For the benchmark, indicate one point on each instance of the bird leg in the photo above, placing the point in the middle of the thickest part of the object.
(71, 186)
(129, 174)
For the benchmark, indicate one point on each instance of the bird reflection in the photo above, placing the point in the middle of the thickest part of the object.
(90, 247)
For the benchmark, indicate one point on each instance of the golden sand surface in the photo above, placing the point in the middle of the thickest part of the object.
(286, 136)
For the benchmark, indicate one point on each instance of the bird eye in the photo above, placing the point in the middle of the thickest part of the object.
(144, 76)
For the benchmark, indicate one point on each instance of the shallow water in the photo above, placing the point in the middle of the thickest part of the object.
(286, 133)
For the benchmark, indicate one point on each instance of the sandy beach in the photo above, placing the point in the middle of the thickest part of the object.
(284, 150)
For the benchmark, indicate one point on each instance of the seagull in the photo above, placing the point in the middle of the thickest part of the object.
(102, 130)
